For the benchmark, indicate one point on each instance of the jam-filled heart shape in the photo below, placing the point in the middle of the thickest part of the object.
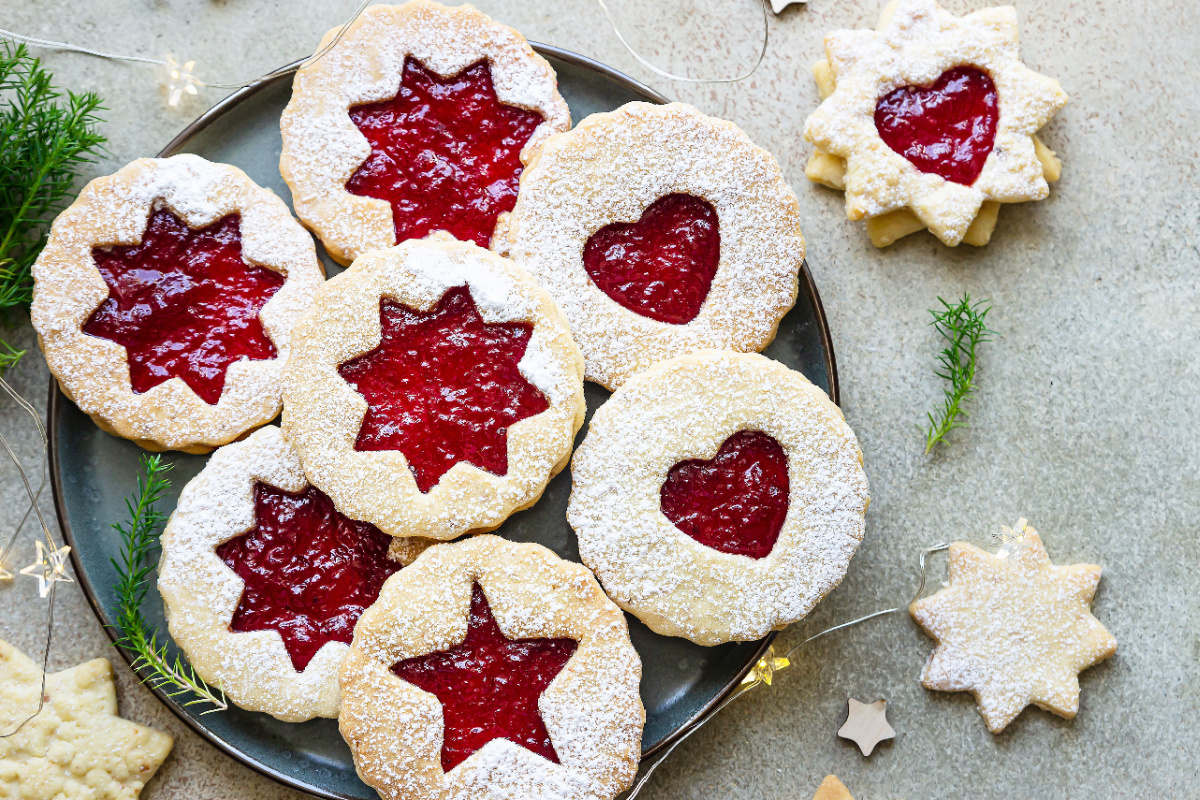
(663, 265)
(946, 129)
(734, 503)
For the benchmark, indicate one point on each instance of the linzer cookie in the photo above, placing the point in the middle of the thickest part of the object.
(434, 389)
(930, 121)
(718, 496)
(264, 579)
(493, 669)
(164, 301)
(660, 231)
(419, 119)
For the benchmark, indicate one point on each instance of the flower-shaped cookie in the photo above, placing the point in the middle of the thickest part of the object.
(930, 121)
(434, 389)
(491, 669)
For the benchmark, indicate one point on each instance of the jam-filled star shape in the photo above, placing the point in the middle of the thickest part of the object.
(184, 304)
(445, 153)
(489, 685)
(935, 114)
(1014, 630)
(443, 386)
(309, 571)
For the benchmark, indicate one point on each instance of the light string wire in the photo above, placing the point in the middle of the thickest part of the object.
(608, 16)
(766, 38)
(34, 508)
(758, 679)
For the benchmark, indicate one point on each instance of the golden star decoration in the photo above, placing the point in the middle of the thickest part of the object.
(764, 671)
(1013, 629)
(867, 725)
(49, 568)
(76, 746)
(832, 789)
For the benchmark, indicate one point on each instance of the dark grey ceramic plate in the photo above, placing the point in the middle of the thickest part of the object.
(92, 473)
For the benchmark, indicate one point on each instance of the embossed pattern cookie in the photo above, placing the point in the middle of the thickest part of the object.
(493, 669)
(264, 579)
(165, 298)
(434, 389)
(77, 746)
(661, 231)
(718, 496)
(930, 121)
(419, 119)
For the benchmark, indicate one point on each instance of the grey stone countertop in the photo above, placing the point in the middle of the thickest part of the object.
(1086, 420)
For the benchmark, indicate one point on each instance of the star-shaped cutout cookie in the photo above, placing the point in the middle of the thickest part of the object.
(1013, 630)
(76, 746)
(916, 44)
(867, 725)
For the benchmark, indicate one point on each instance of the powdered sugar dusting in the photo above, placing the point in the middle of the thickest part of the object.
(1013, 630)
(685, 408)
(610, 169)
(201, 592)
(592, 709)
(94, 372)
(917, 41)
(323, 413)
(322, 148)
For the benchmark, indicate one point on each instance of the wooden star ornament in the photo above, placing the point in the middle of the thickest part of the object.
(1013, 629)
(76, 746)
(867, 725)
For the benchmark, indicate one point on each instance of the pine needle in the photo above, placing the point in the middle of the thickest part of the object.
(9, 356)
(963, 328)
(45, 137)
(139, 545)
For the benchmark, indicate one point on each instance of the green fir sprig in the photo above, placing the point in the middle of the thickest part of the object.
(963, 327)
(139, 543)
(45, 136)
(9, 356)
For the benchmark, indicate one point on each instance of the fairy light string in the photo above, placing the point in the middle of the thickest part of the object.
(763, 672)
(182, 82)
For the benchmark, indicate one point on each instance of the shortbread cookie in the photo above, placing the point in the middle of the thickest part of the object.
(264, 579)
(718, 496)
(661, 231)
(1013, 629)
(434, 389)
(420, 118)
(493, 669)
(832, 789)
(164, 301)
(76, 746)
(930, 121)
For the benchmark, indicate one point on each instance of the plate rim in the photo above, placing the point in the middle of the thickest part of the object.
(56, 398)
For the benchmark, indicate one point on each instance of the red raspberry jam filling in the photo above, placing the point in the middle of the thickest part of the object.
(184, 304)
(946, 129)
(735, 503)
(443, 387)
(444, 152)
(663, 265)
(309, 571)
(489, 686)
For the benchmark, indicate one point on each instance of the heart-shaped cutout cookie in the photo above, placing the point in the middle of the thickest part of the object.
(735, 503)
(663, 265)
(946, 129)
